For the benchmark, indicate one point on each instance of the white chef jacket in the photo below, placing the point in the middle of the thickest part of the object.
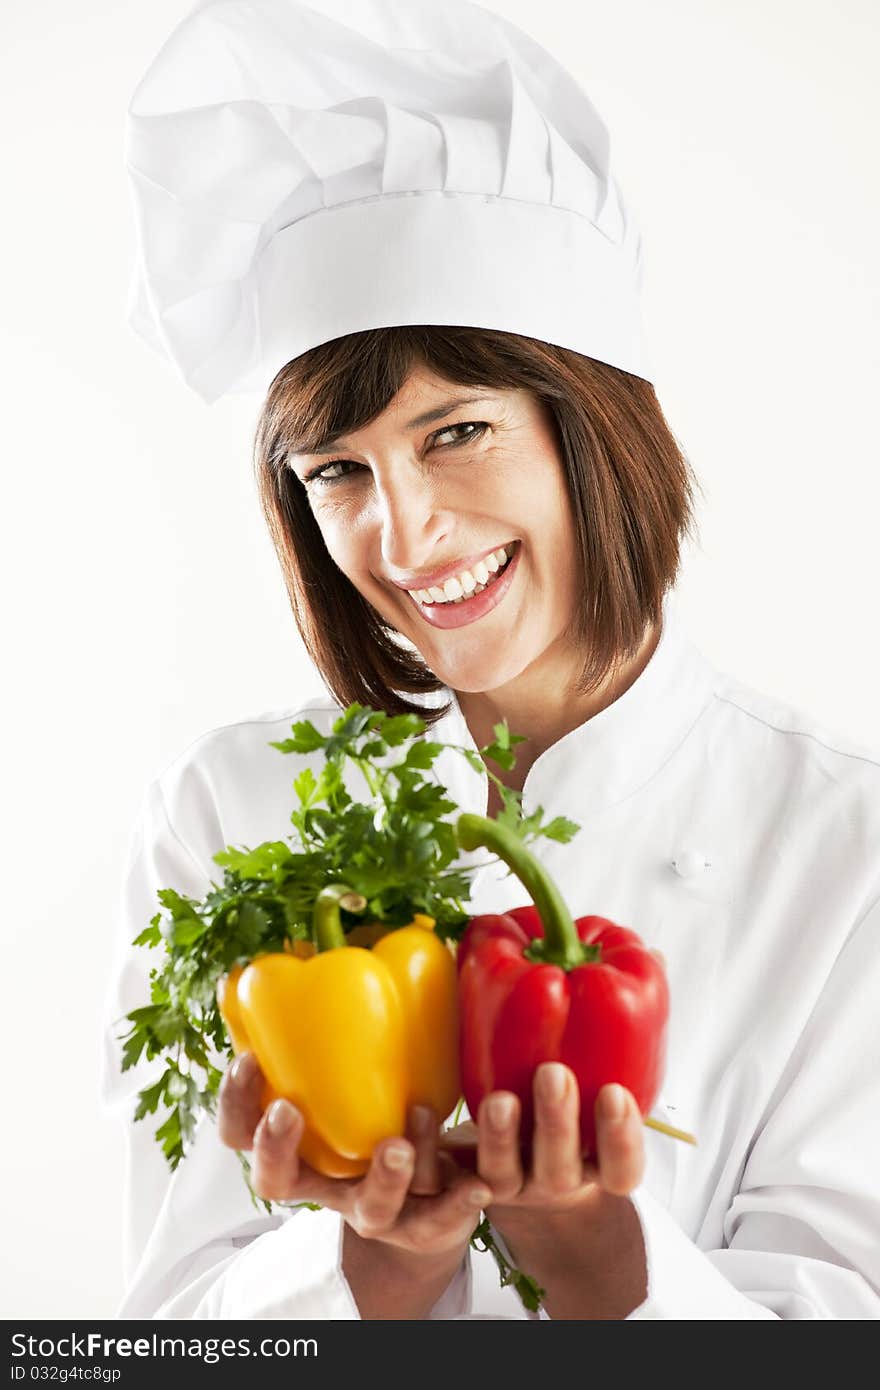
(730, 831)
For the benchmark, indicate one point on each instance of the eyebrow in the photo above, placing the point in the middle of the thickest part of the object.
(330, 446)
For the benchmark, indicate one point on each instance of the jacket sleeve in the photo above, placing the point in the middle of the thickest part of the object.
(195, 1245)
(802, 1233)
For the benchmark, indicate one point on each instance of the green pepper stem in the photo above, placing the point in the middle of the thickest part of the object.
(326, 921)
(561, 944)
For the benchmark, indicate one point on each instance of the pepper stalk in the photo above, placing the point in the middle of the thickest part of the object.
(326, 921)
(560, 944)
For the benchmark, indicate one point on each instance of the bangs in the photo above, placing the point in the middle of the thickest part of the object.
(343, 385)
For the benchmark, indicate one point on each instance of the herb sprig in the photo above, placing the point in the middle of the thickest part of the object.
(529, 1290)
(395, 849)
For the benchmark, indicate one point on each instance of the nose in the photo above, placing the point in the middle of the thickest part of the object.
(412, 520)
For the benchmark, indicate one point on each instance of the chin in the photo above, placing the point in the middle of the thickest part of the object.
(473, 663)
(475, 677)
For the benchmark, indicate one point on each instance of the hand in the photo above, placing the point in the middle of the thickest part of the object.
(558, 1176)
(384, 1205)
(559, 1173)
(565, 1219)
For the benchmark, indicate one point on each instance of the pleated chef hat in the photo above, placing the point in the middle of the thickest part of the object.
(303, 171)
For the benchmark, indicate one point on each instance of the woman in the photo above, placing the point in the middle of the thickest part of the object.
(730, 831)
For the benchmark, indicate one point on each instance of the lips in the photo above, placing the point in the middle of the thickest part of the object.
(423, 583)
(468, 583)
(470, 610)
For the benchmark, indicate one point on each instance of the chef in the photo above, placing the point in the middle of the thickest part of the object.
(397, 223)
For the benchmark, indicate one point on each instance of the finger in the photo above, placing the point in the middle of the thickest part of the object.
(449, 1219)
(379, 1197)
(451, 1171)
(619, 1140)
(498, 1151)
(422, 1131)
(240, 1102)
(276, 1168)
(660, 956)
(557, 1165)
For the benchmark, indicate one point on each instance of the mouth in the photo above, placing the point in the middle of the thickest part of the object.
(459, 608)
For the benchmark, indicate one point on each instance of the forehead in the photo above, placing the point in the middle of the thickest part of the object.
(422, 400)
(425, 390)
(426, 398)
(423, 385)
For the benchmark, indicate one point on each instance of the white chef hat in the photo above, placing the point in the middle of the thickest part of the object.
(304, 171)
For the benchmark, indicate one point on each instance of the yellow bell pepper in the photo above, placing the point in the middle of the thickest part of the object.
(351, 1036)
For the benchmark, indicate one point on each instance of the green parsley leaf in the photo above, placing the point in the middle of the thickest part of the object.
(397, 848)
(529, 1290)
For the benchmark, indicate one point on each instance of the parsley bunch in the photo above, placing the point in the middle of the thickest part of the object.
(395, 850)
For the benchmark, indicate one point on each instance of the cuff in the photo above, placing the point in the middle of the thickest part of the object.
(294, 1272)
(683, 1283)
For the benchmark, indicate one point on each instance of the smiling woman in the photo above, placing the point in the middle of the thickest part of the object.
(397, 220)
(570, 461)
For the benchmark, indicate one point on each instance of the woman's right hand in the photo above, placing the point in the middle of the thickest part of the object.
(401, 1248)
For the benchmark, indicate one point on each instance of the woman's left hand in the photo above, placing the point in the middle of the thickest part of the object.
(566, 1221)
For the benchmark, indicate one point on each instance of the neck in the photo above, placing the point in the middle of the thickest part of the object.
(539, 704)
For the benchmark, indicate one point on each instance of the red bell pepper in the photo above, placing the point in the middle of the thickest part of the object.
(535, 986)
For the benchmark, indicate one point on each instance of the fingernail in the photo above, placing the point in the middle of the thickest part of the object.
(397, 1158)
(477, 1197)
(500, 1111)
(613, 1105)
(242, 1069)
(280, 1118)
(552, 1081)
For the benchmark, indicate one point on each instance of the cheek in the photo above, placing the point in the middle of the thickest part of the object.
(342, 539)
(547, 514)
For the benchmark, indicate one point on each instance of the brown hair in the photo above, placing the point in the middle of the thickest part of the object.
(631, 489)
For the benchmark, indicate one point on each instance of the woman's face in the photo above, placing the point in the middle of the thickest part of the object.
(423, 495)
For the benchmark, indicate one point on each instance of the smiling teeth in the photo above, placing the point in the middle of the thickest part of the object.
(468, 583)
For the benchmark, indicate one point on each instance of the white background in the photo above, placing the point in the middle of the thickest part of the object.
(143, 603)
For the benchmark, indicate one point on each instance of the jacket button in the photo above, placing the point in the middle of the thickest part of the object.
(689, 863)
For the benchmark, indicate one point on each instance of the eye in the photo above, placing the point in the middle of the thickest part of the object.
(322, 475)
(479, 427)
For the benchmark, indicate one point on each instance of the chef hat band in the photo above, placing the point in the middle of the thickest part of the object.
(304, 171)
